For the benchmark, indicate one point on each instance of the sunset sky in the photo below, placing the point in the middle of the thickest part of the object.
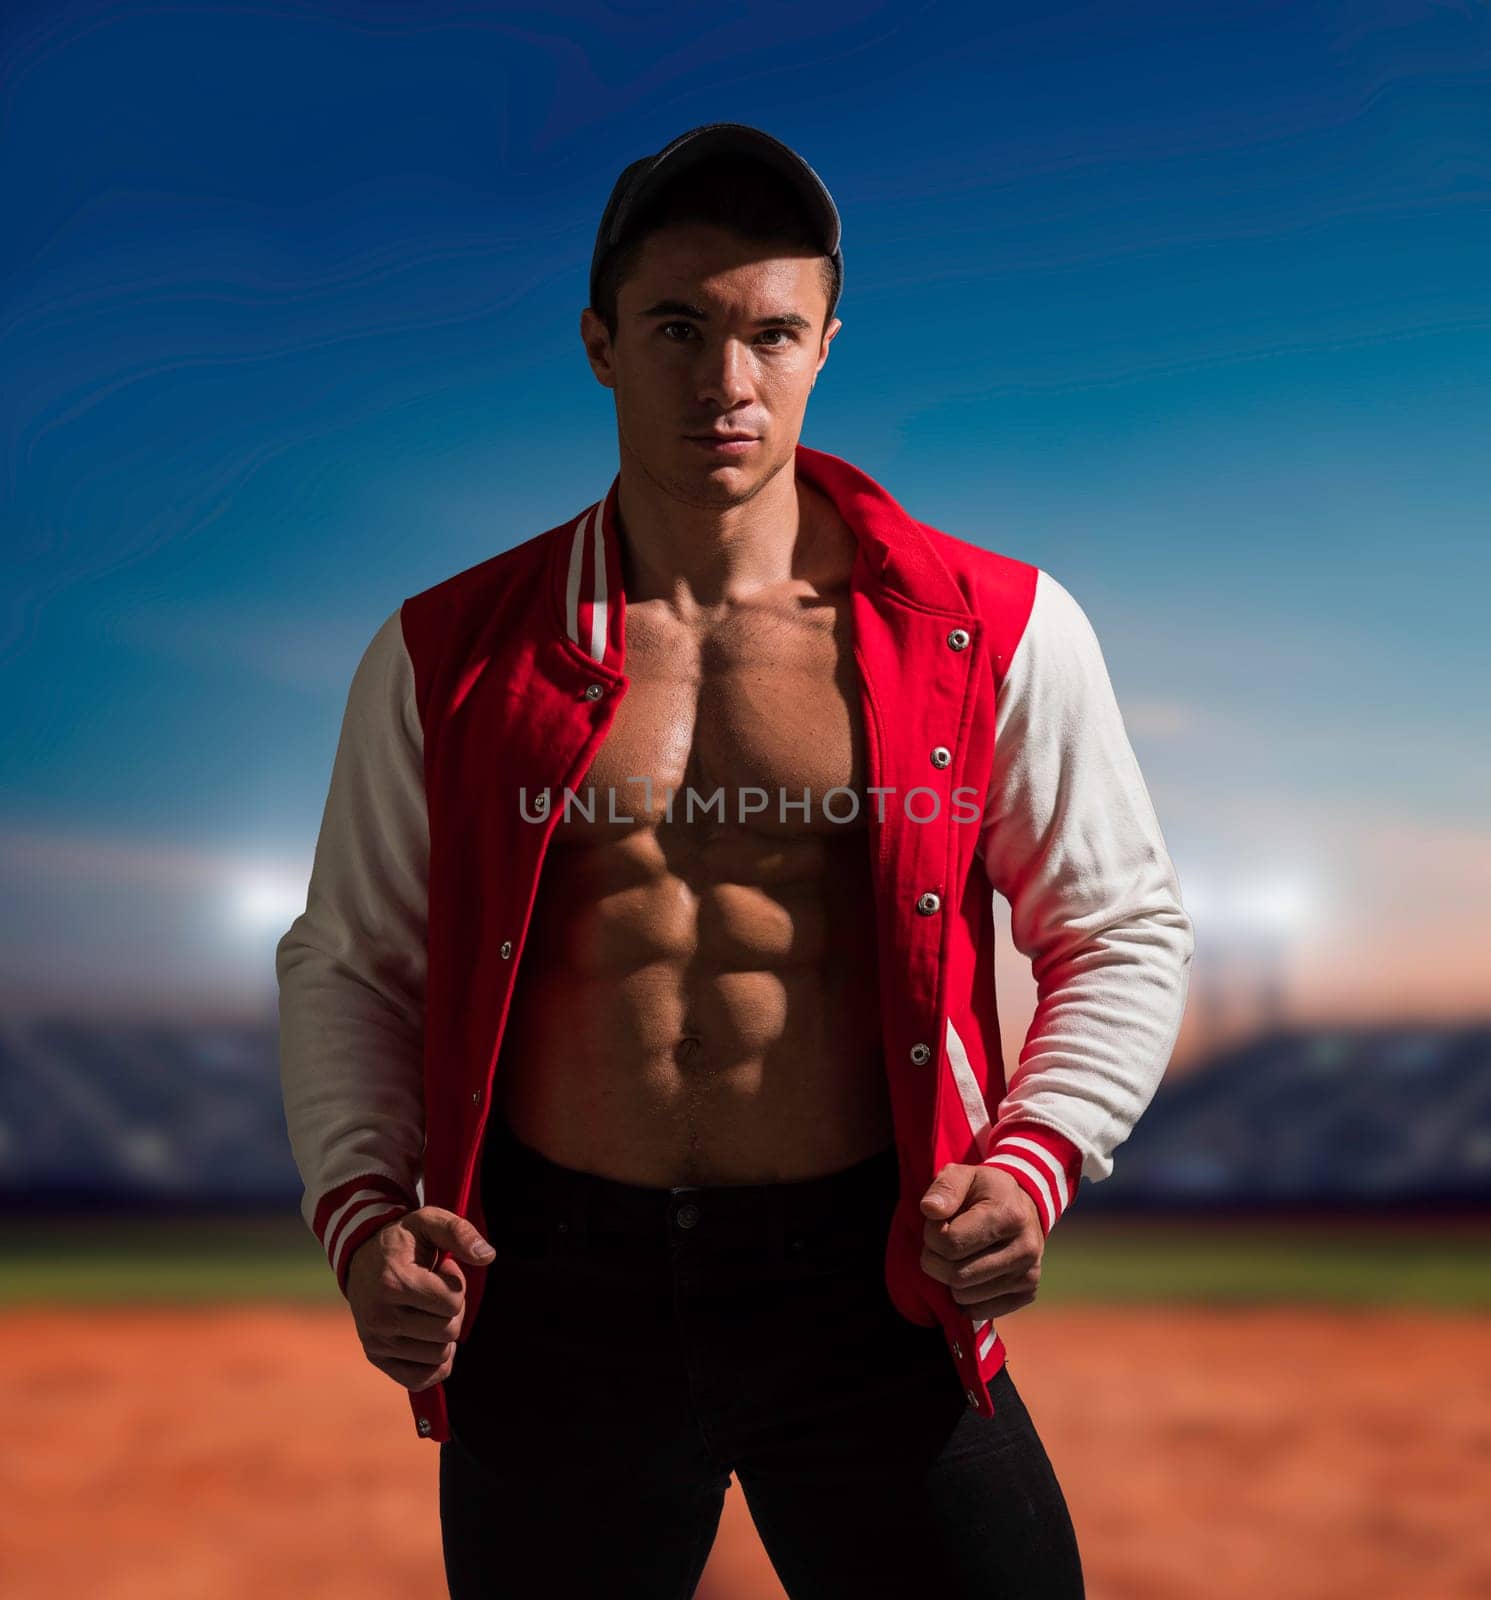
(1187, 305)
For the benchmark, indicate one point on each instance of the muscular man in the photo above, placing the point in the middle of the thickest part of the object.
(639, 1043)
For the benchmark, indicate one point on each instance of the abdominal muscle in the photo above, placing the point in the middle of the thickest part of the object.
(697, 1005)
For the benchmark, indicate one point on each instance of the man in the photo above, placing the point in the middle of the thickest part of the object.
(649, 941)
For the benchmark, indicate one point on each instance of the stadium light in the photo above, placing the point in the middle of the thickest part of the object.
(1246, 927)
(1279, 905)
(263, 904)
(1266, 907)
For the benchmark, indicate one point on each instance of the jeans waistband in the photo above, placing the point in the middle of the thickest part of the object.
(523, 1190)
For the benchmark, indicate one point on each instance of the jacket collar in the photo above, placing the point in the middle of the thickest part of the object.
(894, 546)
(895, 556)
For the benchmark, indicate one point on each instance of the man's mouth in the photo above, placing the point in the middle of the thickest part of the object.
(724, 444)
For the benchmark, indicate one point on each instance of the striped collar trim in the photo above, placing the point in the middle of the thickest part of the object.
(587, 572)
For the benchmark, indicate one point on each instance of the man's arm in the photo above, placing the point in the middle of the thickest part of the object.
(351, 970)
(1070, 838)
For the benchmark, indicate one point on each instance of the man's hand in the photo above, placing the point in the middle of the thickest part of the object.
(982, 1238)
(408, 1316)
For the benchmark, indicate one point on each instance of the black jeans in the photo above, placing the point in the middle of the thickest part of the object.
(637, 1346)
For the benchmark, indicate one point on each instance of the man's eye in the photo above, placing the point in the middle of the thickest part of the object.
(783, 337)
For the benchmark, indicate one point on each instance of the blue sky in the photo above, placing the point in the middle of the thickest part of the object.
(1186, 304)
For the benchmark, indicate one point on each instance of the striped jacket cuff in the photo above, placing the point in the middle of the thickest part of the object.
(1045, 1163)
(353, 1212)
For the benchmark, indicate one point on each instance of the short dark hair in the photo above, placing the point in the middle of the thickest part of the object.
(737, 192)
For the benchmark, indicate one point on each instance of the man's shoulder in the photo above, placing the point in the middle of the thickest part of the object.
(1025, 607)
(979, 563)
(999, 588)
(1020, 603)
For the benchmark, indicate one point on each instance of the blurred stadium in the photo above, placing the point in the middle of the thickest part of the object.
(156, 1116)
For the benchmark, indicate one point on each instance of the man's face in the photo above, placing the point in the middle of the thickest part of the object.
(714, 334)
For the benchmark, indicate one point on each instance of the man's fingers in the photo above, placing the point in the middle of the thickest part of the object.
(1010, 1284)
(444, 1230)
(414, 1375)
(1011, 1261)
(422, 1290)
(982, 1225)
(948, 1240)
(955, 1274)
(1001, 1306)
(416, 1323)
(425, 1352)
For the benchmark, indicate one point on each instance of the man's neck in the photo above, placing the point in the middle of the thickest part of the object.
(699, 557)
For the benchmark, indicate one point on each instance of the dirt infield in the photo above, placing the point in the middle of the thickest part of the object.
(233, 1452)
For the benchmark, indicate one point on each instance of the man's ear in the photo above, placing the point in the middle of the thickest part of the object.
(597, 347)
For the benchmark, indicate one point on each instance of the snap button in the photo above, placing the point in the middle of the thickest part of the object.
(921, 1054)
(928, 903)
(972, 1399)
(593, 691)
(687, 1216)
(957, 1351)
(941, 756)
(507, 949)
(425, 1424)
(476, 1098)
(958, 639)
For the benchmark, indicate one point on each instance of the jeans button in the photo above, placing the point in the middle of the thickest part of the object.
(687, 1216)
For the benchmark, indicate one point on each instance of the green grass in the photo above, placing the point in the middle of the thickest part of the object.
(137, 1262)
(1258, 1263)
(212, 1260)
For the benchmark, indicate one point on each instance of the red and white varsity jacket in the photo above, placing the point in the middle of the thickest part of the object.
(978, 673)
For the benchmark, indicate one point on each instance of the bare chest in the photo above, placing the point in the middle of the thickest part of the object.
(752, 722)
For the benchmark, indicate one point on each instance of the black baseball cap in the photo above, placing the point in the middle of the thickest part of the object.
(642, 180)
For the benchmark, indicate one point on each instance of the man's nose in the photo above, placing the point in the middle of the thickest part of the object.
(726, 374)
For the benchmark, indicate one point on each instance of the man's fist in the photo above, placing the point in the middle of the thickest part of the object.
(408, 1315)
(982, 1238)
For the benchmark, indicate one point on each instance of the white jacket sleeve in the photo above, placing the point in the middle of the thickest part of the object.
(351, 970)
(1071, 840)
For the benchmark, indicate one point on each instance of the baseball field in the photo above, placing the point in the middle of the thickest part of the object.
(1299, 1410)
